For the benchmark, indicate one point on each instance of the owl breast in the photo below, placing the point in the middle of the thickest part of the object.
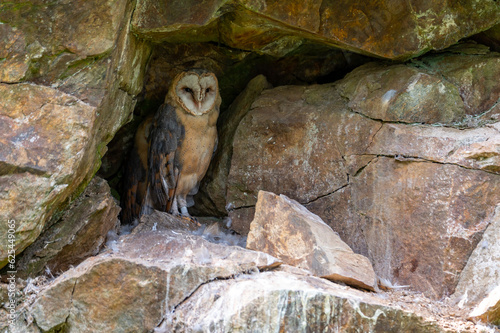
(197, 149)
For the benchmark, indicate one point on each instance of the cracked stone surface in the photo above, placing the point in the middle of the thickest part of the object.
(79, 234)
(285, 229)
(277, 301)
(138, 280)
(376, 28)
(84, 69)
(174, 281)
(413, 191)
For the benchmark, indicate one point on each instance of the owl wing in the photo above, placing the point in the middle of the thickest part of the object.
(165, 136)
(134, 185)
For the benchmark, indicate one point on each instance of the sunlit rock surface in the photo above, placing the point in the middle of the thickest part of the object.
(85, 69)
(80, 233)
(479, 281)
(277, 301)
(138, 280)
(286, 230)
(411, 190)
(174, 281)
(382, 29)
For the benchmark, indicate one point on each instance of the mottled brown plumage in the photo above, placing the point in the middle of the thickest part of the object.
(173, 148)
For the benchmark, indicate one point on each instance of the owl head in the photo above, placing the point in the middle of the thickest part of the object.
(196, 90)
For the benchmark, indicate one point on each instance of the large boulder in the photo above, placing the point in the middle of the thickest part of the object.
(279, 302)
(290, 135)
(85, 69)
(286, 230)
(381, 29)
(440, 88)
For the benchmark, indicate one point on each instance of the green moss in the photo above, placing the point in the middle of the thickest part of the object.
(80, 64)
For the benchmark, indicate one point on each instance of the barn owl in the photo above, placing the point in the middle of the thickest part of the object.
(173, 148)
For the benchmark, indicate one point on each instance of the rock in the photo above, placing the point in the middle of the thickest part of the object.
(417, 221)
(292, 135)
(186, 22)
(286, 230)
(479, 281)
(80, 233)
(473, 148)
(163, 221)
(440, 88)
(488, 310)
(241, 218)
(402, 93)
(296, 137)
(473, 70)
(46, 133)
(373, 28)
(138, 280)
(86, 69)
(55, 35)
(445, 176)
(280, 302)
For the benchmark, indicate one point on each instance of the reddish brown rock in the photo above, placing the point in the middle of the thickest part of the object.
(402, 93)
(380, 29)
(286, 230)
(475, 148)
(88, 69)
(417, 221)
(215, 185)
(292, 134)
(80, 233)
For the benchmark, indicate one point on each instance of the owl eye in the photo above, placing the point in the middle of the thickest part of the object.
(188, 90)
(207, 90)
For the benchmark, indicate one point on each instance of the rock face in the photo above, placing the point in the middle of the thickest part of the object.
(80, 233)
(479, 281)
(414, 198)
(370, 27)
(174, 281)
(290, 136)
(84, 69)
(419, 220)
(435, 89)
(277, 302)
(145, 276)
(401, 159)
(286, 230)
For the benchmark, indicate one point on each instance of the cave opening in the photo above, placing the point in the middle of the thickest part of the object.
(310, 63)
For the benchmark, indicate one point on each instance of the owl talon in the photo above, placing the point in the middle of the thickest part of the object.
(192, 220)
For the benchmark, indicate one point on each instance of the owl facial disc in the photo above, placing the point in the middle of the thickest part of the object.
(197, 93)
